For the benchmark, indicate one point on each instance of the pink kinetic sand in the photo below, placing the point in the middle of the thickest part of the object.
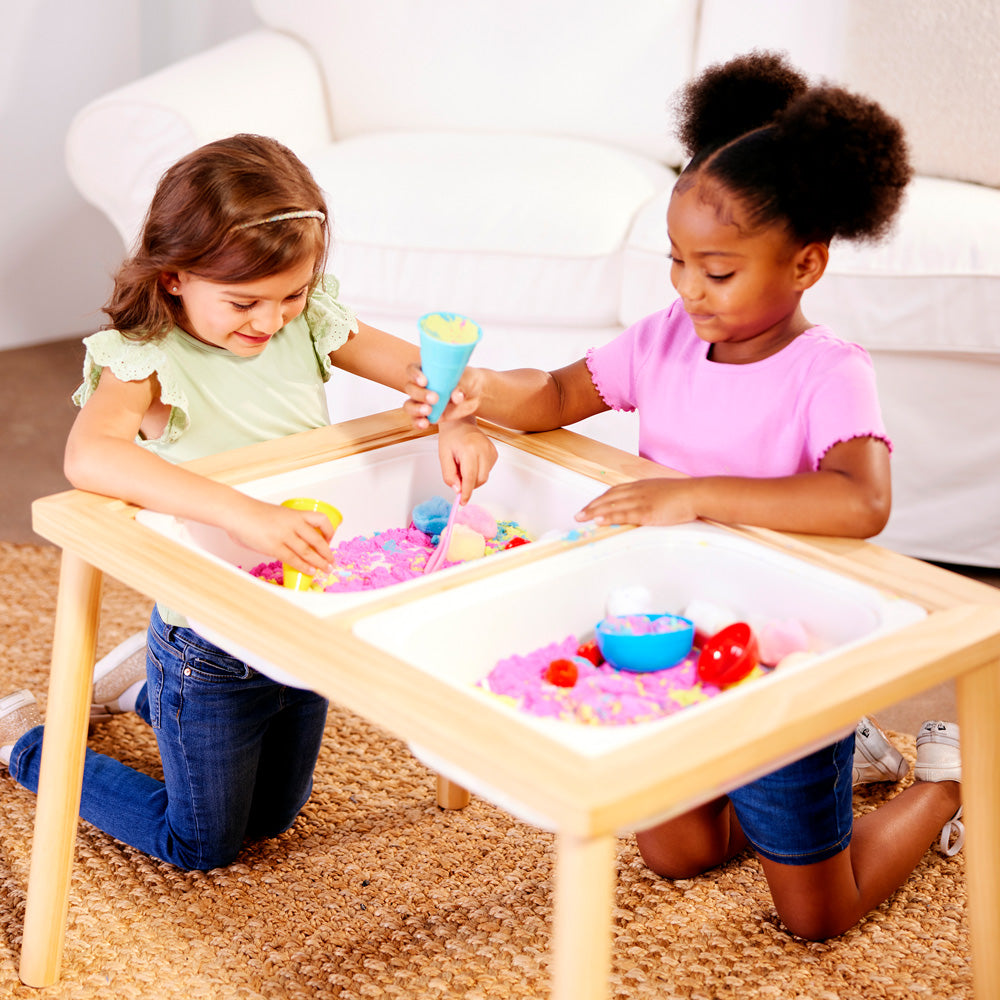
(601, 695)
(369, 562)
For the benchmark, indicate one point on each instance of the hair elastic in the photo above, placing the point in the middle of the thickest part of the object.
(302, 214)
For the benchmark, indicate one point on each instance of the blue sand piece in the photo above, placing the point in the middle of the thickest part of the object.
(431, 516)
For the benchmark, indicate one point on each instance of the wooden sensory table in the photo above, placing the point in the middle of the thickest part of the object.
(588, 800)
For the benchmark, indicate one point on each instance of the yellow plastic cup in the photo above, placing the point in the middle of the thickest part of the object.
(293, 579)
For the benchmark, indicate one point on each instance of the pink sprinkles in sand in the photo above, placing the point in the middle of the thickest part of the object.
(601, 695)
(370, 562)
(366, 563)
(388, 557)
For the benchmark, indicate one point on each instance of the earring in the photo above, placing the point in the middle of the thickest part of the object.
(174, 290)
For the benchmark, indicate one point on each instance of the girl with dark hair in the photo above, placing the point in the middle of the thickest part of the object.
(776, 422)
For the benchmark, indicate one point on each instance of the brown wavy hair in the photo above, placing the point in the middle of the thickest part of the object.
(194, 224)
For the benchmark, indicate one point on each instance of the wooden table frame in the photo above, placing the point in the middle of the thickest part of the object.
(589, 800)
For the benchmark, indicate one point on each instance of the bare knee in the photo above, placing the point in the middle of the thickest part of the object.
(672, 860)
(694, 842)
(815, 926)
(815, 901)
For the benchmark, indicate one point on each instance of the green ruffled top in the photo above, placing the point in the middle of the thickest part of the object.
(220, 401)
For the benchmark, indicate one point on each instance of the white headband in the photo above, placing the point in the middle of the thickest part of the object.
(303, 214)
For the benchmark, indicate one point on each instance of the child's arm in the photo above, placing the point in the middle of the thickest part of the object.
(374, 354)
(466, 454)
(849, 495)
(526, 399)
(102, 457)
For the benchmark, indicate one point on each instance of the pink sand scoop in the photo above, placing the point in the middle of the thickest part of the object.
(439, 555)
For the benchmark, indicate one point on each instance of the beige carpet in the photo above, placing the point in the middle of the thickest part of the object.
(375, 892)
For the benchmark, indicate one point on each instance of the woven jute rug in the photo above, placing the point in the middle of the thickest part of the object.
(376, 892)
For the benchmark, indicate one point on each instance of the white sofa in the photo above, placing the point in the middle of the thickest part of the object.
(513, 162)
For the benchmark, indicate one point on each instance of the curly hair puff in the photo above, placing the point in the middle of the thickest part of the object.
(820, 160)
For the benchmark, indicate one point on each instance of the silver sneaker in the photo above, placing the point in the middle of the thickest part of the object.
(123, 668)
(875, 758)
(18, 713)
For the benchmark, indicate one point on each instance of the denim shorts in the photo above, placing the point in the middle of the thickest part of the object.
(802, 813)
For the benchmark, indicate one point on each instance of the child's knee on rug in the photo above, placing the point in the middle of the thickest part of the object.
(694, 842)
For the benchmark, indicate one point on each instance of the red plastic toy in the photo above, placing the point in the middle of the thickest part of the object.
(563, 673)
(591, 651)
(729, 655)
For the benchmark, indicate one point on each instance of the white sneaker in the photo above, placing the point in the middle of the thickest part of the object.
(118, 678)
(939, 759)
(18, 713)
(938, 755)
(875, 758)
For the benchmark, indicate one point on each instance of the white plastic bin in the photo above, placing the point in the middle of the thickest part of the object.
(458, 636)
(376, 490)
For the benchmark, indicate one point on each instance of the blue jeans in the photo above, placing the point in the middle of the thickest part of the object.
(238, 752)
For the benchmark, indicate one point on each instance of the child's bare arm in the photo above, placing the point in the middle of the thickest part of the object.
(466, 454)
(376, 355)
(850, 495)
(526, 399)
(102, 457)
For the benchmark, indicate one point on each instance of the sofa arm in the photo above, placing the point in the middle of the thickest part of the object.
(119, 145)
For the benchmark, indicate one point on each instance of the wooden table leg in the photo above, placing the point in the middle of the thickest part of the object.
(450, 795)
(978, 710)
(581, 940)
(66, 718)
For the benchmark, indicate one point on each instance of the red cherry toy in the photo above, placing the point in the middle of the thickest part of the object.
(729, 655)
(591, 651)
(563, 673)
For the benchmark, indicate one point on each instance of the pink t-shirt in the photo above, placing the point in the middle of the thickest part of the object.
(773, 417)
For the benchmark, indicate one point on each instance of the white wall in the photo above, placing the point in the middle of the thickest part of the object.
(57, 253)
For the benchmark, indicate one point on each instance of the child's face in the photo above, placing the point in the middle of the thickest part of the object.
(241, 317)
(741, 288)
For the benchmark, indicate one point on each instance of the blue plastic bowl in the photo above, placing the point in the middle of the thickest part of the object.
(641, 653)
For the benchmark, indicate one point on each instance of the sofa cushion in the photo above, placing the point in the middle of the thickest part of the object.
(514, 228)
(584, 68)
(646, 283)
(931, 286)
(927, 288)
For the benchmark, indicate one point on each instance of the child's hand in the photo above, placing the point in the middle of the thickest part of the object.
(466, 454)
(646, 501)
(298, 537)
(464, 400)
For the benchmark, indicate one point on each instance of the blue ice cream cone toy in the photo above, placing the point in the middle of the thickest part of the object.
(446, 344)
